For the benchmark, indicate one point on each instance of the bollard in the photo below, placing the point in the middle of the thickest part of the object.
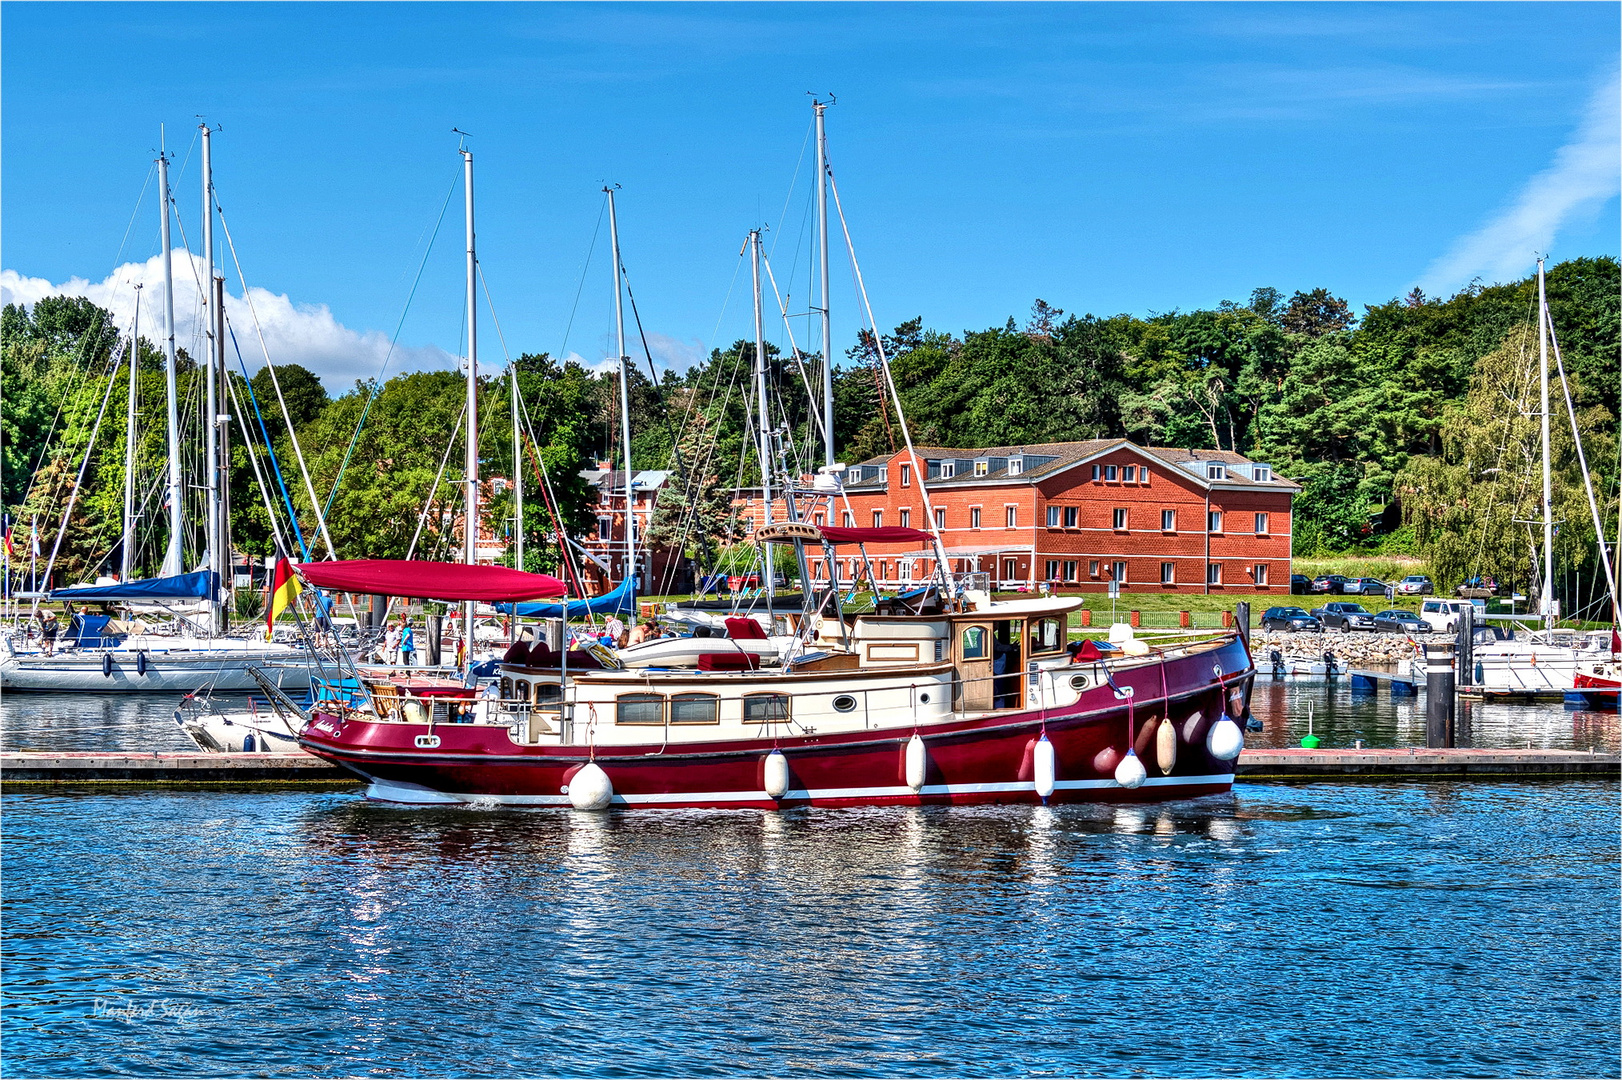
(1137, 619)
(1439, 696)
(1182, 619)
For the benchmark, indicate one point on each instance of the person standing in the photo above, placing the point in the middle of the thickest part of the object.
(408, 645)
(391, 644)
(48, 629)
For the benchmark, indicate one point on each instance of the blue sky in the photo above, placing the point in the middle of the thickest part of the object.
(1107, 158)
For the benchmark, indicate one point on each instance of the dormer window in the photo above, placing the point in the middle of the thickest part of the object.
(1216, 471)
(948, 469)
(1262, 473)
(884, 474)
(981, 467)
(1016, 465)
(856, 476)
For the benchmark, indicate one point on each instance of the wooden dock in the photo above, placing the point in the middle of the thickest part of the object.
(169, 769)
(1254, 766)
(1419, 763)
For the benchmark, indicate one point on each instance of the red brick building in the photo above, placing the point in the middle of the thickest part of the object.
(1076, 516)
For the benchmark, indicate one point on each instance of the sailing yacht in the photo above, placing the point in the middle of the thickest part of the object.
(101, 655)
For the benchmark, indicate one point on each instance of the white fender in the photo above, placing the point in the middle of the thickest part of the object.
(1130, 773)
(776, 774)
(917, 763)
(1046, 767)
(1225, 740)
(590, 788)
(1166, 746)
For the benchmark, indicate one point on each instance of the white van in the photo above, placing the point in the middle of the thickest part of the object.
(1443, 616)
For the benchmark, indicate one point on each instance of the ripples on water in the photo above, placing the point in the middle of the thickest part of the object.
(1409, 930)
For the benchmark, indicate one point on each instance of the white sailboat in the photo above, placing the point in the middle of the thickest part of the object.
(99, 654)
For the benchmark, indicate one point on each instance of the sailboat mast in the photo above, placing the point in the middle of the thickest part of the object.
(822, 247)
(470, 529)
(172, 558)
(1549, 613)
(518, 472)
(764, 425)
(211, 454)
(126, 563)
(625, 394)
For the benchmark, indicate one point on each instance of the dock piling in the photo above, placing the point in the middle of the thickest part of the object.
(1440, 696)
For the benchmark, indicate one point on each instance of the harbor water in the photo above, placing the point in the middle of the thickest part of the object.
(1437, 929)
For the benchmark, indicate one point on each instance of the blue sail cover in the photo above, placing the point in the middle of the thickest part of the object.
(620, 600)
(198, 586)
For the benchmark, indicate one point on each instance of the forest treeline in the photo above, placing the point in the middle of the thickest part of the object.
(1411, 426)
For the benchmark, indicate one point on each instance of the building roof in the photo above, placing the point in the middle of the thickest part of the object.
(614, 479)
(1055, 457)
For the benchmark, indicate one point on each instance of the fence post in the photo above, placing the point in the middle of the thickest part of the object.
(1183, 620)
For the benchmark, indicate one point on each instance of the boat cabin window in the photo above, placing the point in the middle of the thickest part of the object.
(695, 709)
(507, 687)
(548, 693)
(974, 643)
(765, 708)
(1047, 635)
(639, 709)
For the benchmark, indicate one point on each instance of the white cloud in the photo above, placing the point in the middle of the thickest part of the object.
(1585, 174)
(305, 334)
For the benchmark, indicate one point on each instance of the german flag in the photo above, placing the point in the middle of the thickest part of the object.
(284, 588)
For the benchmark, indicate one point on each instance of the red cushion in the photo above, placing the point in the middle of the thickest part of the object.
(518, 653)
(728, 661)
(745, 630)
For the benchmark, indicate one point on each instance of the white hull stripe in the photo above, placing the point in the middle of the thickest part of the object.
(401, 792)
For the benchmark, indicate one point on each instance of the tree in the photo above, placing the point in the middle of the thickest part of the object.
(1316, 313)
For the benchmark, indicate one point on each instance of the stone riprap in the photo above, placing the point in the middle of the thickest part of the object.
(1360, 648)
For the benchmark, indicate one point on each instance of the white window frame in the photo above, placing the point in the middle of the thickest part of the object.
(906, 475)
(1118, 519)
(1111, 472)
(1118, 568)
(850, 520)
(878, 519)
(1092, 568)
(1016, 465)
(1010, 515)
(1072, 516)
(1213, 521)
(1053, 570)
(1070, 570)
(974, 517)
(1261, 524)
(1213, 573)
(1129, 474)
(905, 517)
(948, 470)
(1260, 573)
(940, 517)
(1262, 473)
(1215, 470)
(1096, 474)
(982, 467)
(1053, 517)
(1168, 521)
(1168, 573)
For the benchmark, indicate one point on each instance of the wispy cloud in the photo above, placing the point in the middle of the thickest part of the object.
(294, 333)
(1585, 174)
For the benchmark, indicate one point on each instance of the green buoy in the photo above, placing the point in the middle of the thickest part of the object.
(1309, 741)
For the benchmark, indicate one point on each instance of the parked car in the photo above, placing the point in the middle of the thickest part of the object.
(1443, 616)
(1329, 583)
(1300, 584)
(1404, 622)
(1289, 618)
(1364, 586)
(1344, 616)
(1416, 585)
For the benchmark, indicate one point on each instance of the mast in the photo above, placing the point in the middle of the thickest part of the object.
(127, 560)
(518, 473)
(625, 395)
(222, 429)
(822, 247)
(211, 453)
(470, 529)
(172, 555)
(1549, 612)
(763, 428)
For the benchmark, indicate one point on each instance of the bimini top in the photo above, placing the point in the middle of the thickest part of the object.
(886, 534)
(420, 580)
(198, 586)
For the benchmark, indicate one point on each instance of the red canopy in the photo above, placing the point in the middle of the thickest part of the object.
(420, 580)
(888, 534)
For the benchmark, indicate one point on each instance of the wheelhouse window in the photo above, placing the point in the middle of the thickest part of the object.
(974, 643)
(765, 708)
(639, 709)
(695, 709)
(1047, 635)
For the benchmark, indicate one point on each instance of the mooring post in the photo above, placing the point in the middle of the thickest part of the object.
(1465, 646)
(434, 631)
(1439, 696)
(1241, 614)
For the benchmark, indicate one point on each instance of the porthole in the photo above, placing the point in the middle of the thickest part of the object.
(1079, 682)
(923, 699)
(844, 703)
